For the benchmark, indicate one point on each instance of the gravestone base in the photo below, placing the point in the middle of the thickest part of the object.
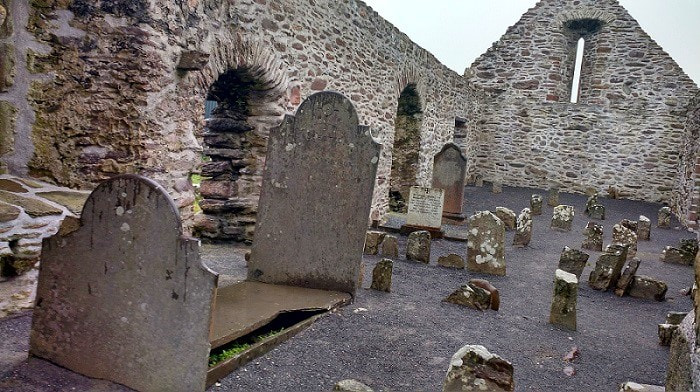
(450, 218)
(435, 233)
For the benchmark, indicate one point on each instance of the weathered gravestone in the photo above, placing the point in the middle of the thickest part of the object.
(553, 197)
(449, 172)
(592, 201)
(372, 241)
(536, 204)
(418, 246)
(381, 275)
(608, 268)
(425, 211)
(485, 244)
(593, 237)
(563, 310)
(644, 228)
(624, 236)
(451, 261)
(664, 217)
(562, 218)
(523, 230)
(507, 216)
(125, 297)
(626, 278)
(597, 212)
(390, 247)
(474, 368)
(684, 254)
(646, 287)
(573, 261)
(497, 187)
(316, 194)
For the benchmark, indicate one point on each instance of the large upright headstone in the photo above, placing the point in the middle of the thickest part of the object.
(315, 200)
(449, 172)
(125, 297)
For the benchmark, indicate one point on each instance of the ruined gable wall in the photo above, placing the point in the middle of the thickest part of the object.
(118, 103)
(686, 198)
(624, 134)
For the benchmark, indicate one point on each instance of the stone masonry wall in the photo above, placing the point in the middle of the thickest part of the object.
(686, 201)
(625, 133)
(121, 100)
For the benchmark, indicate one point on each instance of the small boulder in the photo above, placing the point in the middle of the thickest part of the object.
(351, 386)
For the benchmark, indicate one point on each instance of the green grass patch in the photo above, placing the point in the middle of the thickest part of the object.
(238, 346)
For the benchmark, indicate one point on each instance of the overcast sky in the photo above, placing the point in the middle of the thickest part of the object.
(458, 31)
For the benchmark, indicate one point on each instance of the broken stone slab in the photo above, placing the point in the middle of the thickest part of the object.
(664, 220)
(630, 386)
(536, 204)
(563, 310)
(471, 296)
(685, 254)
(665, 332)
(34, 208)
(624, 236)
(497, 187)
(372, 241)
(452, 261)
(593, 237)
(646, 287)
(553, 197)
(493, 291)
(626, 278)
(390, 247)
(597, 212)
(562, 217)
(381, 275)
(418, 246)
(507, 216)
(523, 229)
(351, 386)
(573, 261)
(474, 368)
(675, 318)
(607, 269)
(131, 243)
(643, 228)
(485, 244)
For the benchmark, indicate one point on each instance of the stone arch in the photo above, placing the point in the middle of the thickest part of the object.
(248, 83)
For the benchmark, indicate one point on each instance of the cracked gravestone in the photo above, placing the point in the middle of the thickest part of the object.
(130, 243)
(626, 278)
(608, 268)
(485, 244)
(372, 241)
(474, 368)
(320, 163)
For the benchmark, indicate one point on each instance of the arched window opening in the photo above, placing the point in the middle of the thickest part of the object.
(576, 82)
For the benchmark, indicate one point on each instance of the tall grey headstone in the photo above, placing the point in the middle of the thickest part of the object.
(125, 297)
(315, 200)
(449, 172)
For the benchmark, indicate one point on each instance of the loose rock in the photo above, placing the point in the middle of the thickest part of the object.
(474, 368)
(471, 296)
(381, 275)
(418, 246)
(351, 386)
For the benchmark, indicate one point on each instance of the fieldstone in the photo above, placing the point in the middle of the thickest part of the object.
(624, 236)
(563, 311)
(562, 218)
(573, 261)
(470, 296)
(11, 186)
(351, 386)
(597, 212)
(523, 230)
(507, 216)
(381, 275)
(474, 368)
(7, 67)
(664, 217)
(300, 184)
(607, 269)
(666, 333)
(372, 241)
(644, 228)
(684, 254)
(553, 197)
(536, 204)
(73, 201)
(648, 288)
(32, 207)
(497, 187)
(222, 190)
(624, 283)
(8, 213)
(485, 244)
(8, 119)
(493, 291)
(593, 237)
(390, 247)
(418, 246)
(452, 261)
(630, 386)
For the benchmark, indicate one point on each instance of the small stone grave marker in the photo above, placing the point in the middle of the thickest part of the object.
(485, 244)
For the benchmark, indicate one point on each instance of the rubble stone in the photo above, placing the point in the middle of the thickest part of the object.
(452, 261)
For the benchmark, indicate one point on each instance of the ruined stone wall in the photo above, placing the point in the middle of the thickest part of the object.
(626, 131)
(686, 200)
(118, 102)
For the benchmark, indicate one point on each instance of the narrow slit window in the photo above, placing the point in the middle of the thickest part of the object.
(576, 82)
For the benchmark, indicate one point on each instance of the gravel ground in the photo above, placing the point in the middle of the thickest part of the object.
(402, 341)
